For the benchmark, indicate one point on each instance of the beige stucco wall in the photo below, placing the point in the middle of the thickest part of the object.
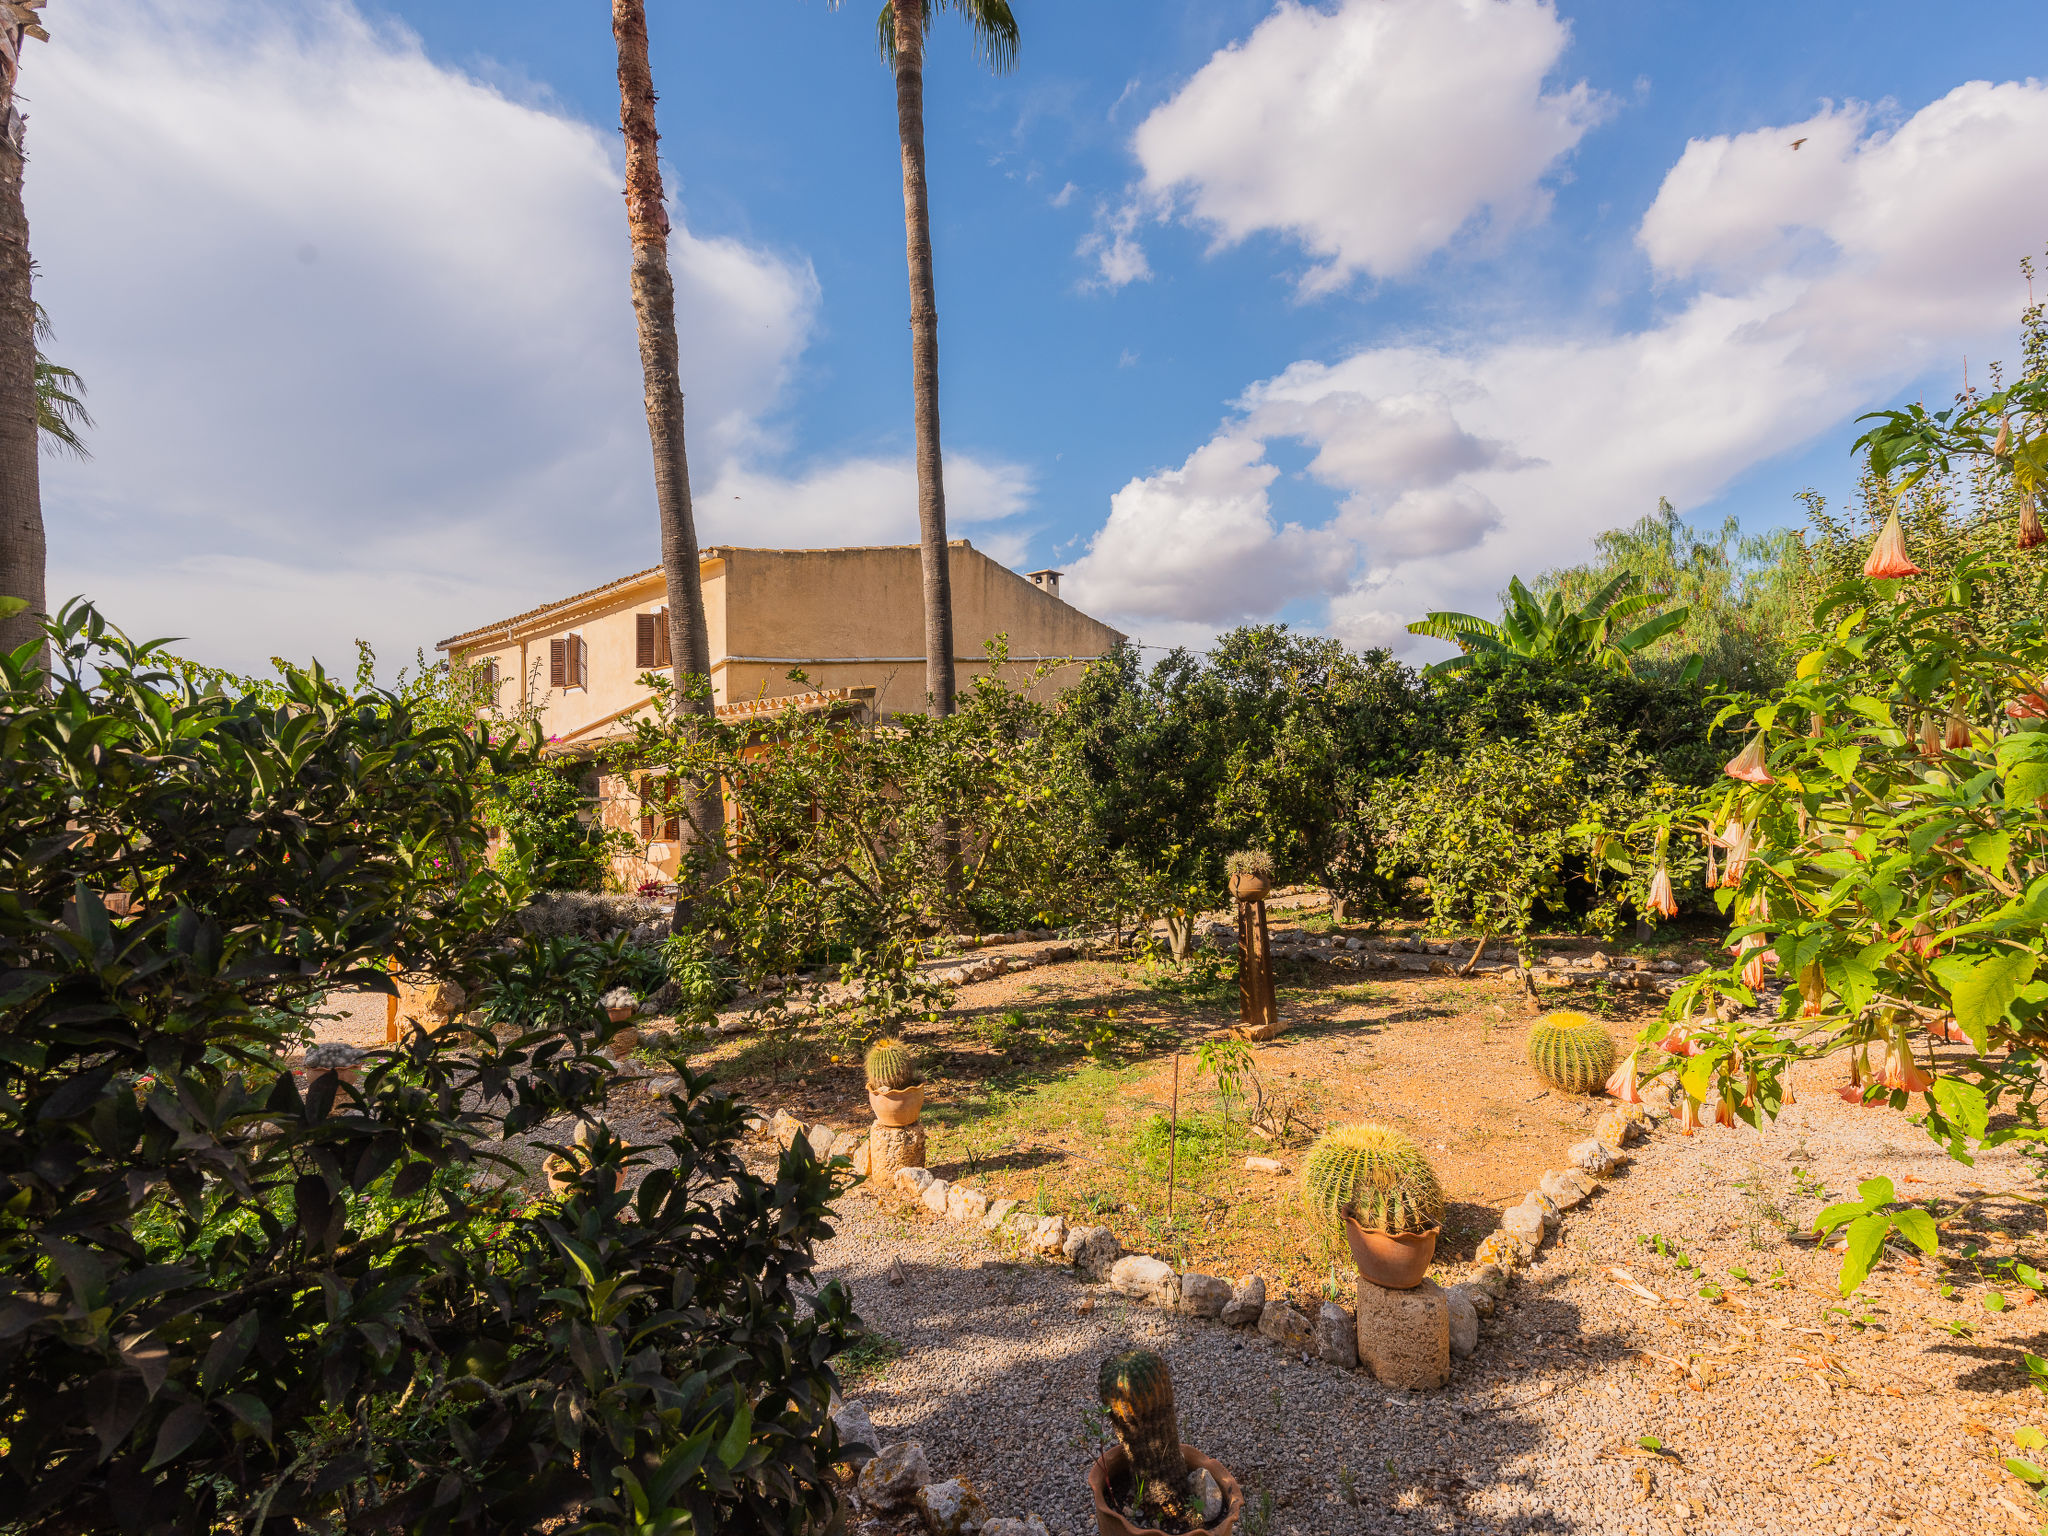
(848, 617)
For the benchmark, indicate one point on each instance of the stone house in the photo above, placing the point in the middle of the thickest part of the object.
(851, 620)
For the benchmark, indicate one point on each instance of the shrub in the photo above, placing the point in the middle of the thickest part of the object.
(232, 1300)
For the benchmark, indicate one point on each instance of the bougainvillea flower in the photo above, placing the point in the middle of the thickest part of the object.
(1888, 557)
(1621, 1084)
(2030, 526)
(1662, 901)
(1748, 764)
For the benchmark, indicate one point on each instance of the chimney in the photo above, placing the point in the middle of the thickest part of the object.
(1045, 581)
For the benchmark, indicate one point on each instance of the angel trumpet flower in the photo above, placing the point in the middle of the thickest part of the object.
(1813, 987)
(1735, 838)
(2004, 439)
(1888, 557)
(1930, 737)
(1621, 1084)
(2030, 705)
(1662, 901)
(1947, 1030)
(1900, 1069)
(1688, 1114)
(1757, 967)
(1724, 1113)
(1748, 764)
(1957, 736)
(1851, 1092)
(2030, 526)
(1713, 876)
(1680, 1042)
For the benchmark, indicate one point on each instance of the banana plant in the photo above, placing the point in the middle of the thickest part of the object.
(1548, 631)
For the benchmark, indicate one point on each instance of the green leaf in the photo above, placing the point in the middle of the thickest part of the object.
(1876, 1192)
(1981, 991)
(1963, 1106)
(1866, 1237)
(2025, 1471)
(2028, 1438)
(734, 1445)
(1835, 1215)
(1917, 1228)
(1994, 1301)
(1650, 1443)
(1990, 850)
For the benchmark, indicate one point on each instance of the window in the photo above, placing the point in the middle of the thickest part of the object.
(650, 640)
(487, 678)
(568, 663)
(653, 788)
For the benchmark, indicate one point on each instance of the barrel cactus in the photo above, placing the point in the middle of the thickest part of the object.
(1375, 1175)
(1136, 1388)
(889, 1065)
(1571, 1051)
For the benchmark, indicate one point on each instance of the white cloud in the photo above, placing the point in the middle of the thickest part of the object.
(1372, 133)
(1113, 245)
(1806, 285)
(864, 501)
(359, 340)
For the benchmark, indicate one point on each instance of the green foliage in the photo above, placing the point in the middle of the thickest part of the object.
(702, 982)
(1492, 826)
(1740, 593)
(1571, 1051)
(1552, 633)
(546, 844)
(1136, 1391)
(1375, 1175)
(1871, 1219)
(1255, 862)
(890, 1065)
(235, 1301)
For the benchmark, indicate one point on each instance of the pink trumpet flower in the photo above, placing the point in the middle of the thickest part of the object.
(1758, 966)
(1851, 1092)
(1748, 764)
(1900, 1069)
(1948, 1030)
(1957, 736)
(1622, 1083)
(1662, 901)
(1888, 557)
(1724, 1113)
(1713, 875)
(1680, 1042)
(2030, 526)
(1735, 838)
(1688, 1114)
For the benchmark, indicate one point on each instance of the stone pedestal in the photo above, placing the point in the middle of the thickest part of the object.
(1404, 1337)
(894, 1146)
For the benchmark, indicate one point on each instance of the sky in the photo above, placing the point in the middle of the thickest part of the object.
(1327, 314)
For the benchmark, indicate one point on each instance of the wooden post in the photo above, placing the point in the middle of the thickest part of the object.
(1258, 1007)
(1173, 1139)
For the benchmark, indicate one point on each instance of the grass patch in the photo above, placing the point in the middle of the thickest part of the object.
(864, 1360)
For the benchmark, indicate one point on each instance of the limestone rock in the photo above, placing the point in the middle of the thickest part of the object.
(1404, 1337)
(1030, 1525)
(784, 1128)
(1566, 1187)
(1594, 1157)
(891, 1147)
(1525, 1222)
(1286, 1325)
(1490, 1278)
(857, 1433)
(1614, 1131)
(1478, 1297)
(1552, 1213)
(1269, 1165)
(951, 1508)
(1247, 1302)
(1092, 1250)
(1048, 1238)
(823, 1140)
(1505, 1250)
(861, 1154)
(998, 1212)
(964, 1204)
(1464, 1321)
(1146, 1279)
(1206, 1494)
(1336, 1336)
(1204, 1295)
(893, 1478)
(429, 1001)
(912, 1180)
(935, 1195)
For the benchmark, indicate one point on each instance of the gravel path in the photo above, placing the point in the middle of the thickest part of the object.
(1779, 1409)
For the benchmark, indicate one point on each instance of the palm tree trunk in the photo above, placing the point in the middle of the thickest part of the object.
(22, 551)
(924, 357)
(654, 308)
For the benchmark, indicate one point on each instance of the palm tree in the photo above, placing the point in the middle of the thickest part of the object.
(654, 308)
(60, 399)
(900, 30)
(1550, 632)
(22, 548)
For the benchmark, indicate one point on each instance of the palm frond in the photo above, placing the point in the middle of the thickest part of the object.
(1456, 627)
(60, 408)
(994, 25)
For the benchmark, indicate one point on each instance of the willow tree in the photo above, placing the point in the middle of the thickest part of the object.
(654, 309)
(22, 549)
(901, 30)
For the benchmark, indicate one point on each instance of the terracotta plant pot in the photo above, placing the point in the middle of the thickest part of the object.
(620, 1015)
(896, 1106)
(1113, 1462)
(1250, 887)
(1397, 1260)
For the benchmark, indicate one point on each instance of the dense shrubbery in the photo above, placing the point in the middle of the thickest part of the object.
(233, 1299)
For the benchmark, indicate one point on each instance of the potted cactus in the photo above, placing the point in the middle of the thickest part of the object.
(1374, 1184)
(894, 1093)
(1251, 873)
(1149, 1483)
(1572, 1052)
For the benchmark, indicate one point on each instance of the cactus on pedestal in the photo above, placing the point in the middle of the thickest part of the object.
(890, 1065)
(1376, 1175)
(1571, 1051)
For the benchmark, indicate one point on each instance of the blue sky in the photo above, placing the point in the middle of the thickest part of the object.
(1333, 314)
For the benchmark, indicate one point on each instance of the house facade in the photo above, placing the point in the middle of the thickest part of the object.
(851, 620)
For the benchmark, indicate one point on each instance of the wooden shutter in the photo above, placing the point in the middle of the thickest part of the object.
(672, 829)
(491, 676)
(646, 812)
(643, 641)
(662, 657)
(578, 659)
(558, 663)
